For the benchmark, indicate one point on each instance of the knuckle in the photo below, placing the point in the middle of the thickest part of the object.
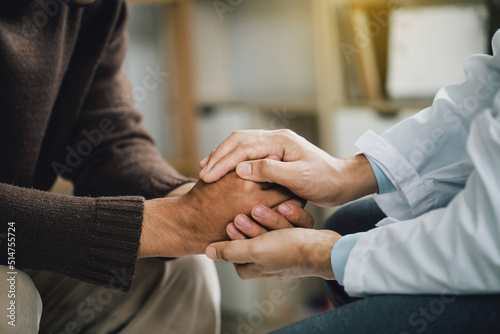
(239, 134)
(252, 249)
(273, 221)
(286, 133)
(224, 255)
(240, 270)
(263, 166)
(238, 151)
(244, 275)
(250, 186)
(247, 271)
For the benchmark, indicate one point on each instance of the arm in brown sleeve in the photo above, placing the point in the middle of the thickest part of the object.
(123, 158)
(91, 239)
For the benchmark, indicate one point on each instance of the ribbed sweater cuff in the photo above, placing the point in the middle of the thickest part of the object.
(115, 241)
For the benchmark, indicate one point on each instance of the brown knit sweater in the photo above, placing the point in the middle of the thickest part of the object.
(65, 108)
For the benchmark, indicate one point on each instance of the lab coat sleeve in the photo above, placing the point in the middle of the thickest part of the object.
(425, 156)
(455, 249)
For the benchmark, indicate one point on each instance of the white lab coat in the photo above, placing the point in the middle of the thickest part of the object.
(445, 164)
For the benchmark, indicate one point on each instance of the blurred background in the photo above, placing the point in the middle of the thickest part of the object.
(327, 69)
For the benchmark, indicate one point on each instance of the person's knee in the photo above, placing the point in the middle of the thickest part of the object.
(196, 271)
(196, 283)
(343, 217)
(20, 297)
(357, 216)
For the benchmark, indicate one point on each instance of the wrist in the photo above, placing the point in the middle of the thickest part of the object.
(318, 251)
(356, 178)
(181, 190)
(162, 233)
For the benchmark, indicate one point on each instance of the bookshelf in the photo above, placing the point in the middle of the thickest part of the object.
(328, 69)
(333, 91)
(178, 16)
(335, 23)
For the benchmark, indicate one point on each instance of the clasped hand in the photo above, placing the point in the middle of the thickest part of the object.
(284, 158)
(188, 223)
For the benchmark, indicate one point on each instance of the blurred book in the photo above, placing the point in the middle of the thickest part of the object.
(429, 45)
(368, 54)
(353, 72)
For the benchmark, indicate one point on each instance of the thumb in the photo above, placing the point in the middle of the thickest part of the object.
(229, 251)
(266, 170)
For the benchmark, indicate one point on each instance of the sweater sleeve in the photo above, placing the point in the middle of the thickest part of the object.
(90, 239)
(118, 155)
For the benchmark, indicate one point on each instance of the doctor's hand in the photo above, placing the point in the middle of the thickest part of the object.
(263, 219)
(285, 254)
(305, 169)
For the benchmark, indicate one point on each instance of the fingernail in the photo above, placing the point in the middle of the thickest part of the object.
(284, 209)
(260, 212)
(244, 169)
(242, 221)
(204, 161)
(231, 230)
(211, 253)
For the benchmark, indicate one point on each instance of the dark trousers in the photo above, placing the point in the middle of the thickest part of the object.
(398, 314)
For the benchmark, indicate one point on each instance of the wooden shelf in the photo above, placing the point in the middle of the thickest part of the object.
(153, 2)
(385, 3)
(291, 105)
(310, 107)
(178, 17)
(391, 106)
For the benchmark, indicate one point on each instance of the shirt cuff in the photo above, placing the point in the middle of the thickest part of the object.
(340, 254)
(384, 183)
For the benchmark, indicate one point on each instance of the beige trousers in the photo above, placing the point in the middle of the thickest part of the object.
(180, 296)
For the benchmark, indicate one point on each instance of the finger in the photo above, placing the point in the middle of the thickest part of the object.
(273, 157)
(237, 251)
(248, 227)
(223, 149)
(274, 196)
(295, 215)
(269, 218)
(203, 162)
(233, 232)
(219, 165)
(267, 170)
(249, 271)
(297, 201)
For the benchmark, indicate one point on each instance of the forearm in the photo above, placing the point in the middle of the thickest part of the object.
(80, 237)
(130, 166)
(110, 152)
